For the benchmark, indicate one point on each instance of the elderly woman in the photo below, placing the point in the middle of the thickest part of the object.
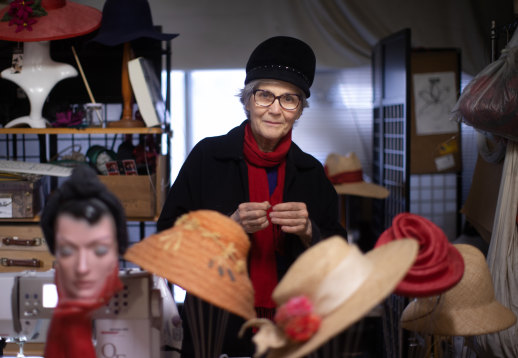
(256, 175)
(85, 227)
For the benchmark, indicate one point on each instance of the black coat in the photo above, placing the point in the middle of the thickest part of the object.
(214, 176)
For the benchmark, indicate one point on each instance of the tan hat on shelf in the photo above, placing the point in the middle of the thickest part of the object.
(340, 283)
(346, 174)
(205, 253)
(467, 309)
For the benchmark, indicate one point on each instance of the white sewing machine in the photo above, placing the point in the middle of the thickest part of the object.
(140, 321)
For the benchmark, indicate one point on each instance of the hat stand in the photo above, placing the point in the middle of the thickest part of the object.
(38, 76)
(127, 119)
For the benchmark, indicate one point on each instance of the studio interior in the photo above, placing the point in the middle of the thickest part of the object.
(276, 178)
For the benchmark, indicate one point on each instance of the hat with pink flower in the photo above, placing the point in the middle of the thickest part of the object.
(46, 20)
(331, 286)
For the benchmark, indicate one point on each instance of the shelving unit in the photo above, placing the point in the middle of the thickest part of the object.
(104, 76)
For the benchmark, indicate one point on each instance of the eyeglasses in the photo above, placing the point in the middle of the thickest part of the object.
(288, 101)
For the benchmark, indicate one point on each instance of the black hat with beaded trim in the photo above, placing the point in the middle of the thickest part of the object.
(283, 58)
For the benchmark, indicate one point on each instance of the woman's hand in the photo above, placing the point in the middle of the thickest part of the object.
(252, 216)
(293, 218)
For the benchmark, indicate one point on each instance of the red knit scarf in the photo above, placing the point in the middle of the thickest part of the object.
(263, 266)
(70, 331)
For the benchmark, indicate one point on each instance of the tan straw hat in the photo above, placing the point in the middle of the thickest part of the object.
(205, 253)
(346, 174)
(467, 309)
(340, 283)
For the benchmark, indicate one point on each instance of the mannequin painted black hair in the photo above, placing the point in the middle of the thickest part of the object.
(83, 196)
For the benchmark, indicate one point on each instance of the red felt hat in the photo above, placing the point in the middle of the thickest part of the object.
(64, 19)
(439, 265)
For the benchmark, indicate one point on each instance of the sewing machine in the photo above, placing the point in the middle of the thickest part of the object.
(140, 321)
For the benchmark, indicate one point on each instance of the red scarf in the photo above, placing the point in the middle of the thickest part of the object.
(70, 331)
(263, 266)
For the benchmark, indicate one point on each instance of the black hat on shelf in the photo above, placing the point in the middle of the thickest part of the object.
(283, 58)
(127, 20)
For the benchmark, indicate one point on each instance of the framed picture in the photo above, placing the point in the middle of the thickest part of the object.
(112, 167)
(130, 167)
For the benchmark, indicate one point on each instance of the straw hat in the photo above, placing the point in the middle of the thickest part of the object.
(438, 266)
(205, 253)
(345, 172)
(467, 309)
(342, 284)
(64, 19)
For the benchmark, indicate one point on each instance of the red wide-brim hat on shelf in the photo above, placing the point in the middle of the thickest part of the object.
(64, 19)
(439, 265)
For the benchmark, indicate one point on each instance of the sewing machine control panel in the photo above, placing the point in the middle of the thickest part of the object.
(133, 301)
(37, 297)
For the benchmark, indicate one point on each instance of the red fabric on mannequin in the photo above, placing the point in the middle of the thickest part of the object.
(70, 331)
(263, 266)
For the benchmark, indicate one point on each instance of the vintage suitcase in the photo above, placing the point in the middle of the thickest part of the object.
(22, 198)
(22, 247)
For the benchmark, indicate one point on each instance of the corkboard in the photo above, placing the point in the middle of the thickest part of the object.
(434, 153)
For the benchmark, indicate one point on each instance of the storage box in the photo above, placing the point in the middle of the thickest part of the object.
(136, 193)
(22, 198)
(142, 196)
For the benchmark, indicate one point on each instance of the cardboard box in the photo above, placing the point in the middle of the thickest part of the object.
(137, 193)
(22, 198)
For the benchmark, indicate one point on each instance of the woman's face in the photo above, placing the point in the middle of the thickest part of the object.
(85, 254)
(270, 124)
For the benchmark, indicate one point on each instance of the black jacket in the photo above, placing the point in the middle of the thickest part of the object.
(214, 176)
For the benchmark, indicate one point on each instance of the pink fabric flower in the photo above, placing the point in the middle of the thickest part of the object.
(297, 319)
(22, 13)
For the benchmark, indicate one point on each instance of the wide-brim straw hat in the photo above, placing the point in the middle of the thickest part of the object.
(342, 283)
(346, 174)
(467, 309)
(205, 253)
(439, 265)
(64, 19)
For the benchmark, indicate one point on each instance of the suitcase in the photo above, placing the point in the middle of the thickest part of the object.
(23, 247)
(22, 198)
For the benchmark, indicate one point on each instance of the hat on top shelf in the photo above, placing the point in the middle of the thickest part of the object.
(346, 174)
(124, 21)
(46, 20)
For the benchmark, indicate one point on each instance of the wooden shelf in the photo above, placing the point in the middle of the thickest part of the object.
(36, 220)
(89, 130)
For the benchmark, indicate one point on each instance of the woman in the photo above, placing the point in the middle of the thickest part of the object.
(85, 227)
(256, 175)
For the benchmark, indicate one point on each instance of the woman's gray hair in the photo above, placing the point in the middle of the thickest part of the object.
(248, 91)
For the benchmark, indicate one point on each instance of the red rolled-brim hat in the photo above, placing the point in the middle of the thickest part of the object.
(439, 265)
(64, 19)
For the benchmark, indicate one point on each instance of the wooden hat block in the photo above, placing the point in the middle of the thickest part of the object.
(127, 119)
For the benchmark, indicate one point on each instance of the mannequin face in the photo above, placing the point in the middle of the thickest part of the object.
(85, 254)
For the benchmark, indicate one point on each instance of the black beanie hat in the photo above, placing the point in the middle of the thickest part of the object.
(83, 184)
(283, 58)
